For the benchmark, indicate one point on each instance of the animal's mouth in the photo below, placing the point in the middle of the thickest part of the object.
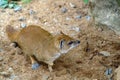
(75, 44)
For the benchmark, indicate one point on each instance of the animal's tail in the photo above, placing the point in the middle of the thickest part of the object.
(11, 32)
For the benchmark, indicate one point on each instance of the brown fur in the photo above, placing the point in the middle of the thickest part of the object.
(34, 40)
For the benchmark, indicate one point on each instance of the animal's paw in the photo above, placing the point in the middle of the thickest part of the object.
(35, 66)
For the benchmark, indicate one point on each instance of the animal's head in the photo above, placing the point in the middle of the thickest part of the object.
(66, 43)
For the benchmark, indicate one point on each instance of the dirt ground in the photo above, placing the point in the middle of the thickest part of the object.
(98, 51)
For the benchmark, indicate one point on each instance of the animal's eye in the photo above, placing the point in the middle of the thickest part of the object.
(62, 43)
(71, 42)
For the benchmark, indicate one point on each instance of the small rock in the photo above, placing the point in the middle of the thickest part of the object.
(77, 29)
(17, 8)
(31, 12)
(35, 66)
(1, 50)
(46, 23)
(63, 10)
(75, 78)
(55, 20)
(104, 53)
(1, 58)
(23, 25)
(14, 77)
(45, 77)
(5, 74)
(10, 70)
(78, 17)
(108, 71)
(72, 5)
(100, 29)
(88, 18)
(11, 14)
(67, 18)
(21, 19)
(36, 17)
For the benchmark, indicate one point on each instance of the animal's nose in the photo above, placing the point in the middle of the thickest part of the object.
(78, 41)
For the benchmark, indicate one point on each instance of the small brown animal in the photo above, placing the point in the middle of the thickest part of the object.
(37, 42)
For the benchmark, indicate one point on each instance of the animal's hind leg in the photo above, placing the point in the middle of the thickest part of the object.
(35, 64)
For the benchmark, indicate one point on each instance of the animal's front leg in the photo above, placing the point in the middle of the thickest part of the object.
(35, 64)
(50, 67)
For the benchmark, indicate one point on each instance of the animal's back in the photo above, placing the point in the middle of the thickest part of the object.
(33, 38)
(35, 33)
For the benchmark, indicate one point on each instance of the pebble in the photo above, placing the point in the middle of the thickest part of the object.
(21, 19)
(108, 71)
(63, 10)
(78, 17)
(1, 50)
(17, 8)
(10, 70)
(14, 77)
(100, 29)
(77, 29)
(1, 58)
(67, 18)
(23, 25)
(31, 12)
(72, 5)
(11, 14)
(104, 53)
(75, 78)
(55, 20)
(5, 74)
(88, 18)
(45, 77)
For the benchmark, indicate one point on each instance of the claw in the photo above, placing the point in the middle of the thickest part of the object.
(35, 66)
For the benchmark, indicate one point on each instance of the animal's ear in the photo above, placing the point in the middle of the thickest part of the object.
(62, 43)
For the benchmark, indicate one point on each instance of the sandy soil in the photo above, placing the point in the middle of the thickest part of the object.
(98, 51)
